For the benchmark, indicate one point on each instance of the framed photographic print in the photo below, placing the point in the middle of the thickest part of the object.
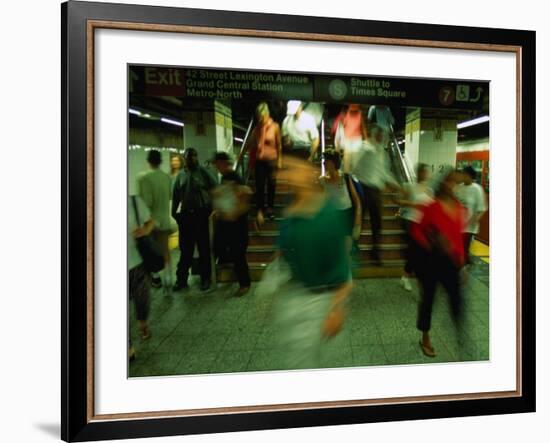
(283, 221)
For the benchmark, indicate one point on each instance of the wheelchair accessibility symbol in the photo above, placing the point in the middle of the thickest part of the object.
(462, 93)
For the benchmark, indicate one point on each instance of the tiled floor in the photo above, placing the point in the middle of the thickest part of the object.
(200, 333)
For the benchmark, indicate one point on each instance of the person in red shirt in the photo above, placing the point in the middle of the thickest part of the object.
(349, 131)
(441, 253)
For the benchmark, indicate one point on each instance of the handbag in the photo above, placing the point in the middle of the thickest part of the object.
(148, 249)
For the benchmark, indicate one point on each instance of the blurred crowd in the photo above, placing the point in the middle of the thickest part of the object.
(331, 191)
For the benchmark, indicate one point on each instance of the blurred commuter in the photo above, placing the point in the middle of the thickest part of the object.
(340, 189)
(265, 157)
(300, 133)
(155, 189)
(350, 133)
(176, 165)
(414, 197)
(138, 276)
(382, 116)
(372, 170)
(191, 208)
(231, 207)
(312, 242)
(441, 254)
(472, 196)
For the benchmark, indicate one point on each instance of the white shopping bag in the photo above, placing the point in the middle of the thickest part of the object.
(276, 274)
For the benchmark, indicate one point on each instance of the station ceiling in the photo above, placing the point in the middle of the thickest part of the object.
(243, 111)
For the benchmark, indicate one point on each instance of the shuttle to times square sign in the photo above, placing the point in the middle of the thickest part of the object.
(223, 84)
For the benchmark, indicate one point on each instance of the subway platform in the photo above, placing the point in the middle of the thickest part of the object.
(194, 332)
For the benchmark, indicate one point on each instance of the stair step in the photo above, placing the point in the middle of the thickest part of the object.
(285, 197)
(281, 199)
(363, 269)
(264, 253)
(282, 187)
(388, 222)
(396, 236)
(388, 210)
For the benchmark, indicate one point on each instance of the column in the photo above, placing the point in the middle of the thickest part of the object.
(431, 138)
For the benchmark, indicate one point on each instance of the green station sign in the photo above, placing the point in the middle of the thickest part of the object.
(223, 84)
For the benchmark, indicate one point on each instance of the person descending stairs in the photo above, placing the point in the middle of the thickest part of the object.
(387, 261)
(263, 241)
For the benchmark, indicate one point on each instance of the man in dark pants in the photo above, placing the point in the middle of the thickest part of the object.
(191, 208)
(371, 168)
(232, 224)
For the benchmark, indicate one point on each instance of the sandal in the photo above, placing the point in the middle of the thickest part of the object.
(145, 335)
(256, 225)
(428, 351)
(260, 218)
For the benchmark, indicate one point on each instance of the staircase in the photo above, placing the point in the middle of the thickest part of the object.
(393, 241)
(262, 242)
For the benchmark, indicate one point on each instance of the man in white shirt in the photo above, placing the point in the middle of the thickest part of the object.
(472, 196)
(155, 189)
(371, 168)
(299, 132)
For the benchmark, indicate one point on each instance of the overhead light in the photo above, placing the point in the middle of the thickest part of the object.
(237, 139)
(473, 122)
(163, 119)
(171, 122)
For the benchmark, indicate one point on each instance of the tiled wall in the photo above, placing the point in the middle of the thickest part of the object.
(440, 152)
(224, 127)
(412, 144)
(200, 133)
(430, 141)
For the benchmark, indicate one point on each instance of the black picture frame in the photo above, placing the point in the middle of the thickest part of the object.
(78, 422)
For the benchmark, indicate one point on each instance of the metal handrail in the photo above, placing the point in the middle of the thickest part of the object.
(240, 159)
(322, 146)
(406, 174)
(411, 173)
(213, 267)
